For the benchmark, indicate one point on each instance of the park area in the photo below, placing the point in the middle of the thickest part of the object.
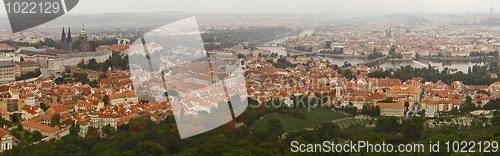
(313, 117)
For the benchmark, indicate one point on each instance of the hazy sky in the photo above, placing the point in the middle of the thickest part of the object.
(273, 6)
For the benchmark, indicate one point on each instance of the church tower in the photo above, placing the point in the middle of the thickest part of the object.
(63, 40)
(83, 40)
(339, 89)
(69, 44)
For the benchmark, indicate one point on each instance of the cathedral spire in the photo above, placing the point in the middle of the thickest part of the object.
(69, 41)
(63, 32)
(83, 30)
(63, 40)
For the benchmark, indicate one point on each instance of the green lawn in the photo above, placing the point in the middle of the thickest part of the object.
(346, 123)
(313, 117)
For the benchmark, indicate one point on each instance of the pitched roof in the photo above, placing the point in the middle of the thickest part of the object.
(397, 104)
(33, 123)
(5, 46)
(410, 89)
(57, 109)
(7, 64)
(122, 95)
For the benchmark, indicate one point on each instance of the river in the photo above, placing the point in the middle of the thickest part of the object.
(459, 65)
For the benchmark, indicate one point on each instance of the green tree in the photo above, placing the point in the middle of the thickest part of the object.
(483, 92)
(374, 55)
(465, 109)
(19, 127)
(93, 84)
(496, 133)
(43, 106)
(105, 99)
(495, 120)
(36, 136)
(21, 59)
(74, 129)
(348, 74)
(241, 56)
(454, 111)
(435, 79)
(327, 130)
(274, 128)
(68, 70)
(108, 130)
(93, 133)
(493, 66)
(468, 99)
(371, 111)
(351, 109)
(81, 64)
(251, 115)
(413, 131)
(137, 125)
(148, 147)
(241, 132)
(56, 119)
(387, 124)
(446, 129)
(102, 76)
(5, 122)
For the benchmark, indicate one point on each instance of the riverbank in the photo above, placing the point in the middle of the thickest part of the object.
(288, 34)
(290, 50)
(462, 64)
(402, 60)
(476, 59)
(344, 56)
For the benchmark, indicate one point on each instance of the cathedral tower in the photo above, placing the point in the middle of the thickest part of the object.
(69, 41)
(63, 40)
(83, 40)
(82, 45)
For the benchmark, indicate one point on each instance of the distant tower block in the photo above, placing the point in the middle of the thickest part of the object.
(491, 10)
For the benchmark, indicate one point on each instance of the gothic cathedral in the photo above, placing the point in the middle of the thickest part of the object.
(82, 45)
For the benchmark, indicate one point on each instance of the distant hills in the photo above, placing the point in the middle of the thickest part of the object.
(408, 19)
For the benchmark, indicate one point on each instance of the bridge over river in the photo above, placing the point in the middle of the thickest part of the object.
(374, 62)
(305, 53)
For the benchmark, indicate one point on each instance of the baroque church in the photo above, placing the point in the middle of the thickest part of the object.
(82, 45)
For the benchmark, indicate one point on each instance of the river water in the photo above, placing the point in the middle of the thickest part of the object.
(459, 65)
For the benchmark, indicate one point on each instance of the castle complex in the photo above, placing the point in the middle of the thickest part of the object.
(70, 54)
(82, 45)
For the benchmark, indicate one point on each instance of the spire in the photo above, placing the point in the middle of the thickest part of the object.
(69, 41)
(63, 40)
(83, 30)
(69, 34)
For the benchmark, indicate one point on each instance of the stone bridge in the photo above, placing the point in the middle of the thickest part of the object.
(374, 62)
